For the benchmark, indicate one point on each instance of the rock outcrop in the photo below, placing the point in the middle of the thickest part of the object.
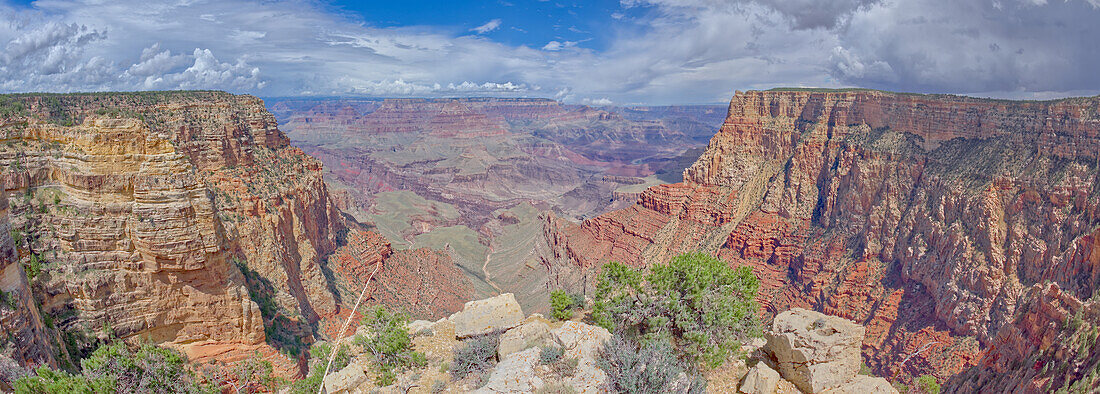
(20, 318)
(815, 351)
(181, 218)
(489, 315)
(534, 333)
(810, 350)
(925, 217)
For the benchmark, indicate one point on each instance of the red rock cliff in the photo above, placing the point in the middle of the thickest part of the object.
(134, 208)
(923, 217)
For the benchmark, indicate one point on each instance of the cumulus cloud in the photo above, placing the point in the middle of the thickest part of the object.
(487, 27)
(600, 102)
(657, 51)
(557, 46)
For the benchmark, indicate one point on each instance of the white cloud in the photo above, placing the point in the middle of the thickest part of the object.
(675, 51)
(487, 27)
(557, 46)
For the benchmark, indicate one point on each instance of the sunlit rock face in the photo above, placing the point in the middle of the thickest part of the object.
(138, 211)
(924, 217)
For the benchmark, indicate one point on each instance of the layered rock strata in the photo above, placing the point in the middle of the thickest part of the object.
(924, 217)
(20, 319)
(181, 218)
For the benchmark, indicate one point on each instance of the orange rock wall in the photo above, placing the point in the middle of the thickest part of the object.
(925, 218)
(139, 203)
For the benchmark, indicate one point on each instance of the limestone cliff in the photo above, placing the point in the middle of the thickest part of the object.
(20, 319)
(923, 217)
(130, 211)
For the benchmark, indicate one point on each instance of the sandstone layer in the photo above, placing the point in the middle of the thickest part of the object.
(926, 218)
(181, 218)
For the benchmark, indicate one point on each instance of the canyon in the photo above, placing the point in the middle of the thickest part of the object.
(961, 232)
(470, 176)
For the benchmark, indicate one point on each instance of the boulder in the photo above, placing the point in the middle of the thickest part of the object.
(526, 335)
(863, 384)
(515, 374)
(345, 380)
(584, 343)
(761, 379)
(484, 316)
(420, 327)
(581, 341)
(815, 351)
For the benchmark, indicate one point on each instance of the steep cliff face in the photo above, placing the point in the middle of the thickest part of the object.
(131, 210)
(422, 282)
(27, 338)
(924, 217)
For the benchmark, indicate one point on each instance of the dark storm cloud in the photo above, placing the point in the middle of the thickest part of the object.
(965, 46)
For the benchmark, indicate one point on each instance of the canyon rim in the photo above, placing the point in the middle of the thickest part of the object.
(625, 196)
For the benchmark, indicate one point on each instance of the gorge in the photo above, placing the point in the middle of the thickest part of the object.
(962, 233)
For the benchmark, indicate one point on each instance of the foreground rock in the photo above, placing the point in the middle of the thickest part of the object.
(805, 352)
(761, 379)
(531, 334)
(485, 316)
(817, 353)
(814, 351)
(515, 374)
(584, 342)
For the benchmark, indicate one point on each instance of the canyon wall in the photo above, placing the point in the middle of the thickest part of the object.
(926, 218)
(181, 218)
(26, 337)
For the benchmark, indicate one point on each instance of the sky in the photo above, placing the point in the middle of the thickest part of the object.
(600, 52)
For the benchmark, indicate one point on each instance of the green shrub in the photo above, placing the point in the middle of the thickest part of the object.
(696, 300)
(438, 386)
(311, 384)
(321, 351)
(389, 343)
(48, 381)
(118, 368)
(928, 384)
(475, 355)
(255, 374)
(33, 267)
(144, 369)
(550, 355)
(8, 299)
(649, 368)
(561, 305)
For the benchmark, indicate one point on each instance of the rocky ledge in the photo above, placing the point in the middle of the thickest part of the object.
(804, 351)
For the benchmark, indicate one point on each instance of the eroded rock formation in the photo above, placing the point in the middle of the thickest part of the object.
(182, 218)
(926, 218)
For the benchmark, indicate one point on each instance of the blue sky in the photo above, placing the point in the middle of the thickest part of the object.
(521, 22)
(595, 52)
